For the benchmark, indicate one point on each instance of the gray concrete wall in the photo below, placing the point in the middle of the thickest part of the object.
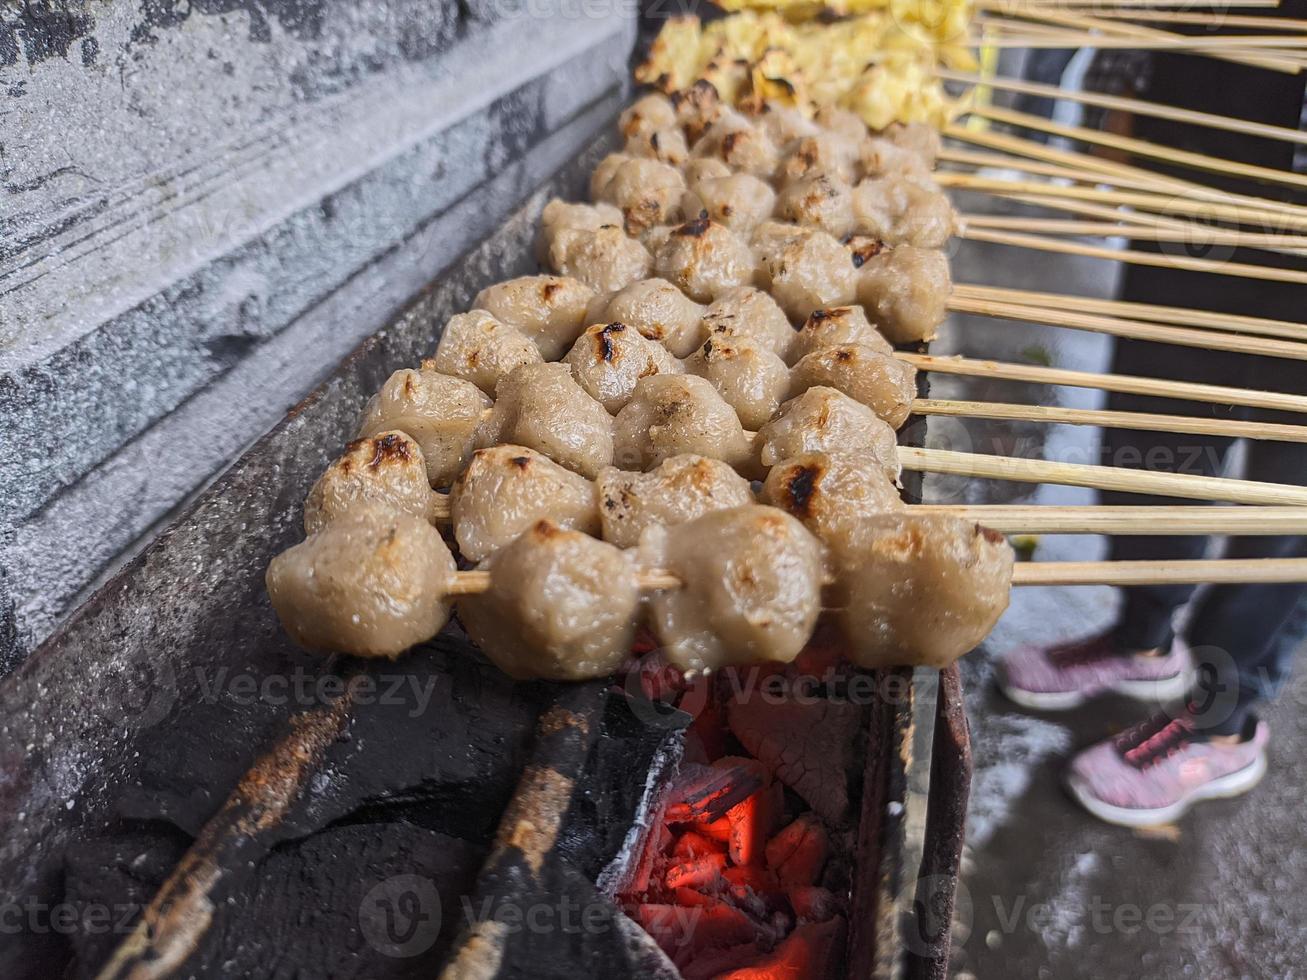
(207, 204)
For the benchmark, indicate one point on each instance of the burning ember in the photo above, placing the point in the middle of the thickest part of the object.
(746, 874)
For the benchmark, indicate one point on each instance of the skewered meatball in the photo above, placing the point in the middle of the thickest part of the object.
(831, 492)
(751, 379)
(884, 384)
(664, 145)
(739, 201)
(439, 412)
(901, 211)
(699, 169)
(919, 138)
(647, 114)
(697, 108)
(784, 124)
(541, 406)
(751, 587)
(880, 157)
(609, 358)
(604, 172)
(807, 270)
(672, 414)
(705, 259)
(742, 147)
(824, 154)
(920, 590)
(385, 469)
(548, 309)
(371, 583)
(679, 489)
(843, 122)
(561, 606)
(604, 259)
(559, 214)
(819, 201)
(647, 192)
(905, 292)
(658, 310)
(746, 313)
(834, 326)
(478, 348)
(505, 490)
(825, 420)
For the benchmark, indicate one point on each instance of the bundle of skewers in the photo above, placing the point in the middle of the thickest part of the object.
(688, 424)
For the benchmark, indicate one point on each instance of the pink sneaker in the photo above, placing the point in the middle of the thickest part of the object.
(1064, 676)
(1152, 773)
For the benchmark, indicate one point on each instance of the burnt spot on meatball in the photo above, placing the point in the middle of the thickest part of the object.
(390, 447)
(800, 487)
(990, 535)
(694, 229)
(548, 289)
(864, 250)
(844, 355)
(521, 462)
(604, 341)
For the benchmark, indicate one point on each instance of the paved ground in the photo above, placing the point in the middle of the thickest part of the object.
(1049, 892)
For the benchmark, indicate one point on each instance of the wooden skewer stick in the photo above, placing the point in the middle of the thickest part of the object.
(1124, 383)
(1191, 572)
(1217, 18)
(1146, 421)
(1143, 148)
(1132, 257)
(1159, 201)
(1136, 329)
(1187, 485)
(1190, 234)
(1178, 519)
(1232, 322)
(1219, 5)
(475, 582)
(1141, 106)
(1141, 219)
(1224, 43)
(1008, 160)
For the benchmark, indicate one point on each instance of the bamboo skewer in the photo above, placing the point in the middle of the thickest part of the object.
(1163, 260)
(1123, 383)
(1146, 421)
(1141, 106)
(1236, 571)
(1226, 44)
(1014, 5)
(1143, 148)
(1187, 485)
(1185, 234)
(1217, 18)
(1168, 519)
(1135, 329)
(1140, 219)
(1232, 322)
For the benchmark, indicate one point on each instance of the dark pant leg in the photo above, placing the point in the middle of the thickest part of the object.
(1238, 631)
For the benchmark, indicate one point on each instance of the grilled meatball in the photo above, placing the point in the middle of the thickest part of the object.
(604, 172)
(647, 192)
(548, 309)
(609, 358)
(905, 292)
(746, 313)
(372, 583)
(824, 154)
(825, 420)
(698, 169)
(705, 259)
(806, 270)
(647, 114)
(884, 384)
(751, 379)
(919, 138)
(697, 108)
(831, 492)
(880, 157)
(834, 326)
(917, 589)
(664, 145)
(658, 310)
(561, 606)
(506, 490)
(439, 412)
(842, 122)
(820, 201)
(741, 146)
(479, 348)
(679, 489)
(605, 259)
(751, 588)
(559, 214)
(783, 123)
(673, 414)
(542, 407)
(386, 469)
(739, 201)
(901, 211)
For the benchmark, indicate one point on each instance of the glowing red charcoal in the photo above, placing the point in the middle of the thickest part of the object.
(798, 853)
(813, 951)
